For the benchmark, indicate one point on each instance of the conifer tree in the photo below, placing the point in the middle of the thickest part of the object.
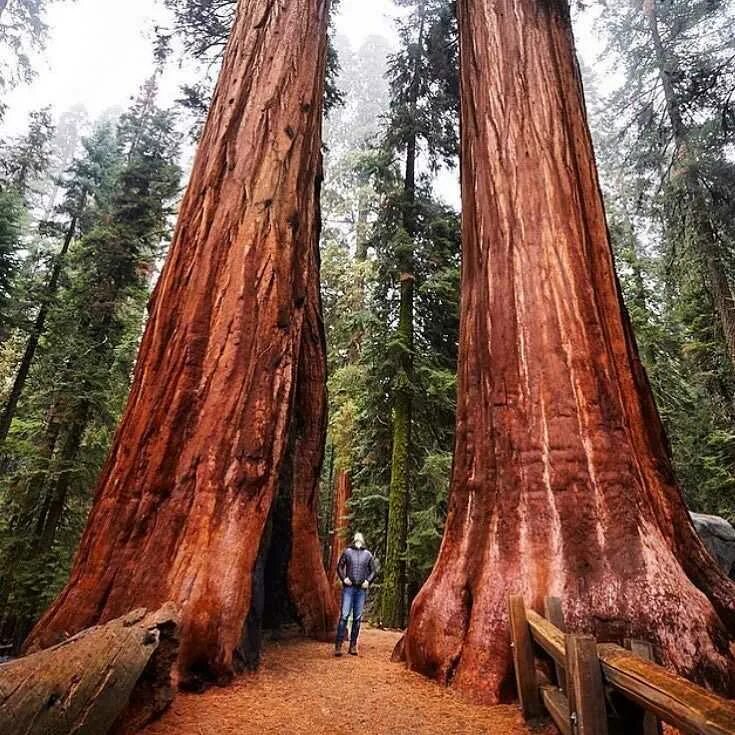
(10, 231)
(422, 121)
(675, 116)
(23, 161)
(562, 483)
(234, 330)
(670, 200)
(82, 179)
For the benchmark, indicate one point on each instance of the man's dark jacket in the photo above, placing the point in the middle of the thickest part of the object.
(358, 565)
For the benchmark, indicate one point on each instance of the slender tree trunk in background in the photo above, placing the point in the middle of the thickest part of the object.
(340, 521)
(37, 480)
(59, 490)
(186, 492)
(562, 480)
(722, 296)
(326, 536)
(16, 391)
(45, 523)
(639, 296)
(362, 232)
(695, 204)
(393, 593)
(362, 229)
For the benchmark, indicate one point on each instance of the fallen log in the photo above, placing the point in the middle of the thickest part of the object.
(111, 678)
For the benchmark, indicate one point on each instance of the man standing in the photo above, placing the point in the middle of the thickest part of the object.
(356, 570)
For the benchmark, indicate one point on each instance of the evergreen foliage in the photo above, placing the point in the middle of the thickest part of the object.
(11, 209)
(391, 293)
(663, 138)
(24, 161)
(118, 194)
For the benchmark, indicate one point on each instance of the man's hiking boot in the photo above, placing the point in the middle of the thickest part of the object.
(353, 650)
(338, 649)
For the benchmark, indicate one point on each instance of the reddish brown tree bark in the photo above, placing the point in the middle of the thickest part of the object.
(340, 521)
(232, 351)
(310, 588)
(562, 481)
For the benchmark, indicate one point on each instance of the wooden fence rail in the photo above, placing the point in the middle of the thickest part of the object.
(604, 688)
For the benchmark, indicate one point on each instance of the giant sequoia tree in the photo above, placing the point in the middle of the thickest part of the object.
(227, 409)
(562, 481)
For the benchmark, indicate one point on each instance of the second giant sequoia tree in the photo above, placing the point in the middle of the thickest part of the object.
(562, 481)
(227, 409)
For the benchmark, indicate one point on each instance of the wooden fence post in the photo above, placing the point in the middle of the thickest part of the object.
(585, 690)
(554, 614)
(650, 724)
(524, 660)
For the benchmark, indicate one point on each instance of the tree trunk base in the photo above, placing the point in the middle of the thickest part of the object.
(459, 632)
(112, 678)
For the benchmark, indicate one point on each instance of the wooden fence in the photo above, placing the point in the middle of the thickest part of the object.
(603, 689)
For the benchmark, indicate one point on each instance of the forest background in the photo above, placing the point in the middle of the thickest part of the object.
(93, 155)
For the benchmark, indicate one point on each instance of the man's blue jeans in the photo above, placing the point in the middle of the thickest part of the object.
(353, 601)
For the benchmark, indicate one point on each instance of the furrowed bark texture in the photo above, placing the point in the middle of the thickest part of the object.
(340, 521)
(562, 482)
(113, 677)
(309, 587)
(235, 322)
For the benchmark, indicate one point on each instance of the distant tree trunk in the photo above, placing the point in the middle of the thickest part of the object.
(326, 536)
(43, 524)
(362, 227)
(186, 492)
(340, 521)
(55, 501)
(393, 592)
(19, 524)
(722, 296)
(16, 391)
(703, 234)
(562, 480)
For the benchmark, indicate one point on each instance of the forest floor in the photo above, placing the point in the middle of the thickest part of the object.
(302, 689)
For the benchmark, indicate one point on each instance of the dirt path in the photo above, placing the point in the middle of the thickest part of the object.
(302, 689)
